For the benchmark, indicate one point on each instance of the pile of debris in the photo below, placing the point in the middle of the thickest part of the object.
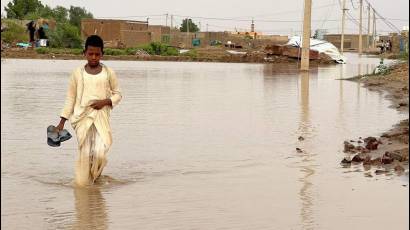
(319, 50)
(141, 53)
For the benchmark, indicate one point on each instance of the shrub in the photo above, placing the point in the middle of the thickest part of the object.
(114, 52)
(171, 51)
(65, 35)
(77, 51)
(42, 50)
(130, 51)
(158, 48)
(14, 32)
(191, 53)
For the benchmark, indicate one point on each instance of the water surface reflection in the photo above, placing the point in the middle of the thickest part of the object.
(90, 207)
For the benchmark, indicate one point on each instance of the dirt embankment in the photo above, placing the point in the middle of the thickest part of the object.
(390, 151)
(202, 55)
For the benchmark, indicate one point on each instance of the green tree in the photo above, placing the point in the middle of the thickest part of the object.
(46, 12)
(19, 9)
(60, 14)
(192, 26)
(65, 35)
(76, 14)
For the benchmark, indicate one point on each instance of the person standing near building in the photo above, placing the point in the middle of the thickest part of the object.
(382, 46)
(92, 93)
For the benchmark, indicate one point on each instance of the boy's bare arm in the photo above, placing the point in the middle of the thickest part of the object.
(60, 126)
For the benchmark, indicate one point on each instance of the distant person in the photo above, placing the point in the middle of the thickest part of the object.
(382, 46)
(92, 93)
(389, 45)
(31, 28)
(41, 33)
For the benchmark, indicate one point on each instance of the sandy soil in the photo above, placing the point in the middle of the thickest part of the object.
(390, 151)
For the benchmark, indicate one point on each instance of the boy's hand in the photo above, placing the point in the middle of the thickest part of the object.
(99, 104)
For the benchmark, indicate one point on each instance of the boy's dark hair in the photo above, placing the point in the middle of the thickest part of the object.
(94, 40)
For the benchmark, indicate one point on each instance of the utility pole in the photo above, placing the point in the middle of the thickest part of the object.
(342, 40)
(360, 28)
(166, 19)
(306, 36)
(187, 31)
(172, 20)
(374, 29)
(206, 27)
(368, 26)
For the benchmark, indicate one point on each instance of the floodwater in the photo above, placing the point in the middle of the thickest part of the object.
(201, 146)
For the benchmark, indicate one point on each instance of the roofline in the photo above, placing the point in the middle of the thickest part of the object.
(112, 20)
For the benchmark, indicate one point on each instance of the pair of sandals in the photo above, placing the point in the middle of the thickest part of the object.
(54, 138)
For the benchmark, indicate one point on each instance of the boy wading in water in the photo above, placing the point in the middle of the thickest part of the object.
(92, 93)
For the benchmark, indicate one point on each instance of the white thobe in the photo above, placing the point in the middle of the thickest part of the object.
(83, 89)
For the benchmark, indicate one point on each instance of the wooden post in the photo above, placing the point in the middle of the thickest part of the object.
(342, 40)
(306, 36)
(368, 26)
(374, 29)
(360, 28)
(187, 32)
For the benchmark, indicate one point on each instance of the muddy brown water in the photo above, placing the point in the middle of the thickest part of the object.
(201, 146)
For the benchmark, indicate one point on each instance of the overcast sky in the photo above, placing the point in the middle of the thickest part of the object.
(271, 17)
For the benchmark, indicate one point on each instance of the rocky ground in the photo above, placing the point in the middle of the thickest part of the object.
(390, 151)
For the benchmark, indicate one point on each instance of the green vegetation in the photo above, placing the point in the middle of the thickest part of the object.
(34, 9)
(152, 49)
(21, 9)
(14, 32)
(404, 56)
(43, 50)
(67, 33)
(76, 14)
(131, 51)
(114, 52)
(191, 53)
(46, 50)
(157, 48)
(187, 23)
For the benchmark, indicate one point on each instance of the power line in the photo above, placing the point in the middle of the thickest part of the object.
(134, 16)
(351, 1)
(328, 14)
(388, 23)
(283, 12)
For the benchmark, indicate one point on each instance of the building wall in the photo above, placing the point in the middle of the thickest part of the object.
(351, 41)
(131, 38)
(108, 30)
(116, 33)
(134, 25)
(182, 39)
(158, 33)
